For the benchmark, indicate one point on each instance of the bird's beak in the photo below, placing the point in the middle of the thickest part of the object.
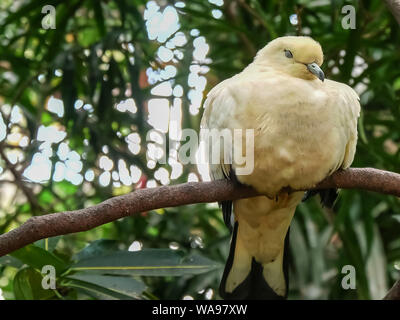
(316, 70)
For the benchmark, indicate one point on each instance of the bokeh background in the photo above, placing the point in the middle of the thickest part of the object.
(77, 106)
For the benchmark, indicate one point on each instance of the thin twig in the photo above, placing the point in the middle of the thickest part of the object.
(19, 182)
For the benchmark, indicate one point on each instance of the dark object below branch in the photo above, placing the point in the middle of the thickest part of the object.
(50, 225)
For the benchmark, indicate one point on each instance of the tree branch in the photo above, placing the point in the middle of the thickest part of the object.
(50, 225)
(394, 292)
(394, 7)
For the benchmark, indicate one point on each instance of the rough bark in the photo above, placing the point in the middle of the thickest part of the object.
(50, 225)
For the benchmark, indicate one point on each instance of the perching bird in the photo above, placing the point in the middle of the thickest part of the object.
(305, 128)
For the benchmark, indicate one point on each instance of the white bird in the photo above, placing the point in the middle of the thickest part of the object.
(305, 128)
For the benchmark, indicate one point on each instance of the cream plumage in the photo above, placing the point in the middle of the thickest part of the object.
(305, 129)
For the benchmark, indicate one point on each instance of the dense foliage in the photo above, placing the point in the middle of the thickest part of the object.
(105, 61)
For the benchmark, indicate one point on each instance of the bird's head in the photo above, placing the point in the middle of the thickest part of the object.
(299, 57)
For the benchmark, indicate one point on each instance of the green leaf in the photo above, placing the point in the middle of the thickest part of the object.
(147, 262)
(48, 244)
(87, 37)
(28, 286)
(94, 291)
(299, 251)
(376, 268)
(123, 285)
(37, 257)
(68, 88)
(46, 197)
(10, 261)
(65, 188)
(97, 248)
(98, 14)
(47, 119)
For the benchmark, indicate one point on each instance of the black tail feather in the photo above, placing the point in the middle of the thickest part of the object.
(254, 287)
(328, 196)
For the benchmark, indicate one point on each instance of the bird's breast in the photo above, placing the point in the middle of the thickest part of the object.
(297, 143)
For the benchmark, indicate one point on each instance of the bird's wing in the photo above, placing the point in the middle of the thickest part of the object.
(218, 105)
(347, 101)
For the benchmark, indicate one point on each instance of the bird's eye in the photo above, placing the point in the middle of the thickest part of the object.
(288, 54)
